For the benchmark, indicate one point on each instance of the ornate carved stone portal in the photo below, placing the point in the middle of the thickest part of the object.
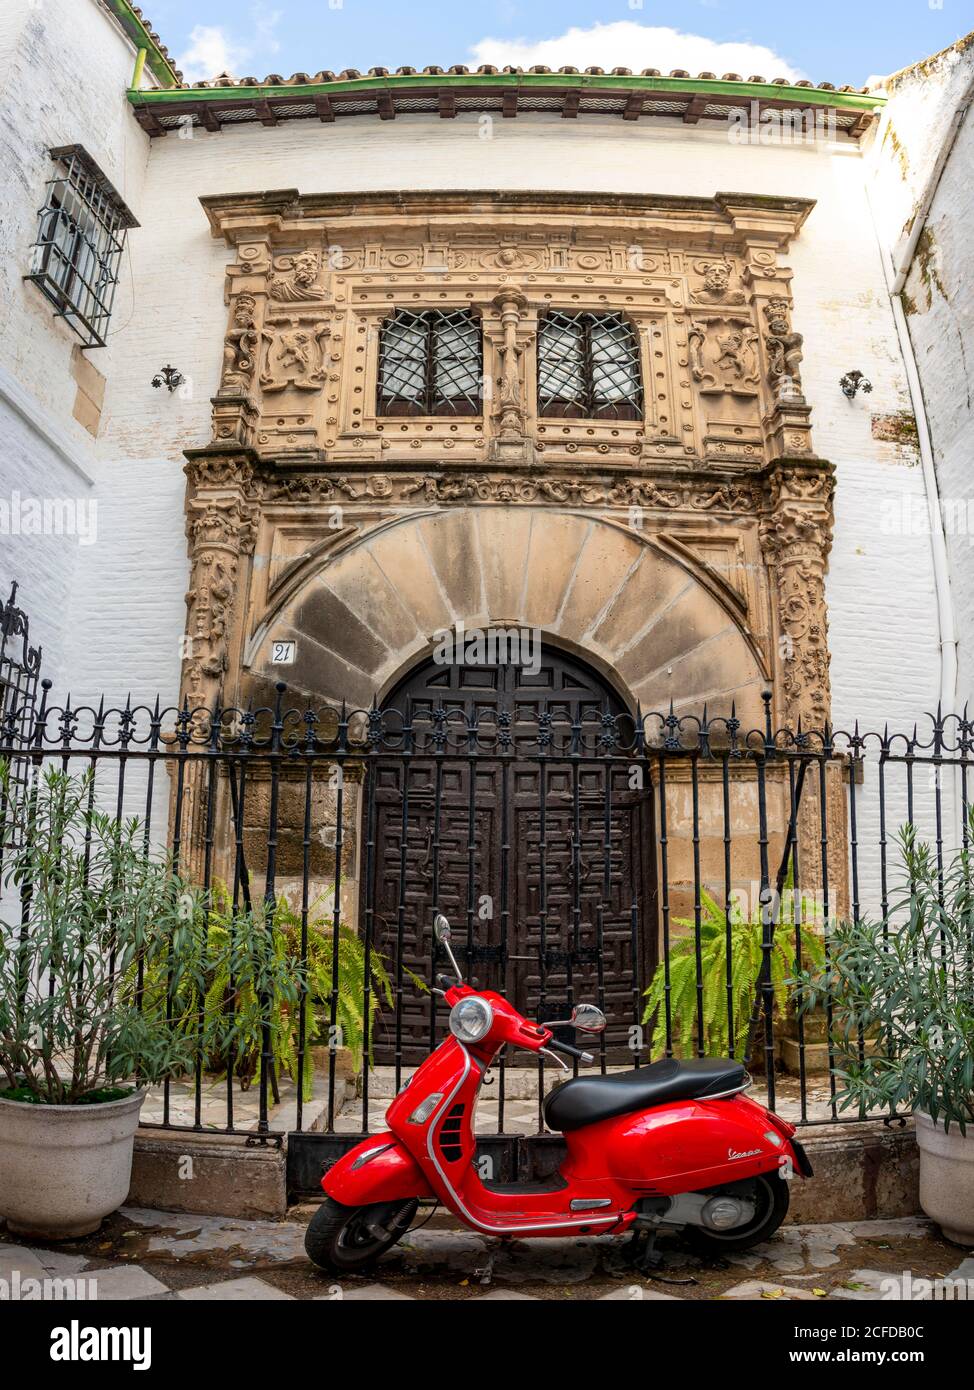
(311, 514)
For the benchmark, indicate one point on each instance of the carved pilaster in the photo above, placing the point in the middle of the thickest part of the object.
(796, 536)
(221, 526)
(787, 417)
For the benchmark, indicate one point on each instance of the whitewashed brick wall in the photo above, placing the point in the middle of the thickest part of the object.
(64, 68)
(939, 294)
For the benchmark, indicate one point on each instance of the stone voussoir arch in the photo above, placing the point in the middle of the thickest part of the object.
(639, 606)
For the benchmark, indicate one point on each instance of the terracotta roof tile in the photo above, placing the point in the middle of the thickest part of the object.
(224, 81)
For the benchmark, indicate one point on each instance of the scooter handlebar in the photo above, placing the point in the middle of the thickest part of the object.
(555, 1045)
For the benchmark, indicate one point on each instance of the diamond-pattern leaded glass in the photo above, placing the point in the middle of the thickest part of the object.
(588, 367)
(430, 363)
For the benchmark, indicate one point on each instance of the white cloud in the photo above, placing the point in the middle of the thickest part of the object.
(212, 49)
(636, 46)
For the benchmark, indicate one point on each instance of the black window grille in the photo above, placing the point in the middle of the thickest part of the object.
(79, 244)
(430, 363)
(588, 367)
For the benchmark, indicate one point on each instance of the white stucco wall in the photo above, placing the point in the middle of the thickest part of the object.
(939, 293)
(111, 614)
(64, 68)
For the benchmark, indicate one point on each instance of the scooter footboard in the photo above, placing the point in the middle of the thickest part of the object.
(379, 1169)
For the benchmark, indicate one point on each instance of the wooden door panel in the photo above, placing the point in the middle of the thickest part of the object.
(607, 969)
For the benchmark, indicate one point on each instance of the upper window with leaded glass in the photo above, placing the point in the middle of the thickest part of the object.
(588, 367)
(79, 243)
(430, 363)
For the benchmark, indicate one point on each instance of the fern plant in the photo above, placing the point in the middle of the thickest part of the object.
(746, 937)
(223, 984)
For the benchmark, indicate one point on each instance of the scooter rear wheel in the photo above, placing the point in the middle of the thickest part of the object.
(771, 1202)
(344, 1240)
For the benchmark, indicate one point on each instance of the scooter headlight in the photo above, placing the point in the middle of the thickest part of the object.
(471, 1019)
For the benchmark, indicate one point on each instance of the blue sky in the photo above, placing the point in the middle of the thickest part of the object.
(826, 40)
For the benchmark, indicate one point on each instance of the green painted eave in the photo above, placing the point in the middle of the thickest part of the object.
(158, 63)
(713, 88)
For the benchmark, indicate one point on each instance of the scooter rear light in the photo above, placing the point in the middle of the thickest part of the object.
(423, 1111)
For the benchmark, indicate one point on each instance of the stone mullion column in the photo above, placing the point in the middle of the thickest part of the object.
(510, 332)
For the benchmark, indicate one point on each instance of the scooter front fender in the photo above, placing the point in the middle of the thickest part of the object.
(379, 1169)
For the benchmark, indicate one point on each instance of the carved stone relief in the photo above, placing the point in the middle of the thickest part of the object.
(724, 445)
(294, 356)
(784, 351)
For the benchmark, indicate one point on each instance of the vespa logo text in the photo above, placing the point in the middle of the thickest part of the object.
(748, 1153)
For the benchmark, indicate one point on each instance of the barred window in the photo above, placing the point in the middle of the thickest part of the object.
(588, 367)
(79, 243)
(430, 363)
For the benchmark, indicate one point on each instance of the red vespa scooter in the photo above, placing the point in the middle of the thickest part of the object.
(673, 1145)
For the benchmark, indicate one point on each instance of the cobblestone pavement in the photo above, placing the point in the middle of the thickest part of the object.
(159, 1255)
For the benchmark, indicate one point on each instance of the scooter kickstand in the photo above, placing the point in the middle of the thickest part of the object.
(646, 1258)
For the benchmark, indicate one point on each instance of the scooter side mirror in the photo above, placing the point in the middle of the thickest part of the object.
(589, 1018)
(441, 930)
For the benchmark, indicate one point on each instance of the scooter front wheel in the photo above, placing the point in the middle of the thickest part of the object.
(771, 1196)
(344, 1240)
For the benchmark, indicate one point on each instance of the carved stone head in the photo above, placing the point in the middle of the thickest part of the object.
(776, 311)
(717, 277)
(306, 267)
(243, 312)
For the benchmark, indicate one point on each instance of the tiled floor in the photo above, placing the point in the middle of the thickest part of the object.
(158, 1255)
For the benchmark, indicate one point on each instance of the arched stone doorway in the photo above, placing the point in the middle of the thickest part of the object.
(489, 840)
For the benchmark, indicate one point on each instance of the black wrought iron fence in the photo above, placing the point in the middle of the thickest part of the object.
(666, 867)
(20, 665)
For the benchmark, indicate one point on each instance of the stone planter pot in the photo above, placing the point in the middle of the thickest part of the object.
(65, 1167)
(947, 1177)
(815, 1033)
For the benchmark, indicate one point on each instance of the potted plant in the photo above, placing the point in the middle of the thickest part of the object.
(709, 1004)
(88, 912)
(910, 977)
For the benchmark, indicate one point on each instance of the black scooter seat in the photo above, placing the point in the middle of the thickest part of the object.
(588, 1099)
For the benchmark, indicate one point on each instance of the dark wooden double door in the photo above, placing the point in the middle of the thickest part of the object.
(489, 842)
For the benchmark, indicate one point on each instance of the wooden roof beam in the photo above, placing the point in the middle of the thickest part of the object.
(509, 107)
(694, 109)
(207, 117)
(149, 121)
(447, 102)
(326, 112)
(386, 106)
(265, 112)
(570, 107)
(634, 107)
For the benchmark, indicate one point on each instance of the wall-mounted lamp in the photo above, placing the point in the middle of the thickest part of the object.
(853, 382)
(168, 376)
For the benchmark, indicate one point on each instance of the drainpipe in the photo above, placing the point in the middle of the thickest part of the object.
(896, 276)
(140, 58)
